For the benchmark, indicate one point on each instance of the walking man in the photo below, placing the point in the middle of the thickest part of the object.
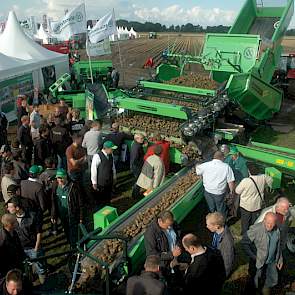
(217, 178)
(262, 245)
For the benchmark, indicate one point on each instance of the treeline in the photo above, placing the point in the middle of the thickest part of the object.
(187, 28)
(157, 27)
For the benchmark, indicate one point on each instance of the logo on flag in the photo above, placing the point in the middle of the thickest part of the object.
(70, 24)
(104, 28)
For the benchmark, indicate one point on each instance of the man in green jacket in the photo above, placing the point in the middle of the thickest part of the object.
(67, 205)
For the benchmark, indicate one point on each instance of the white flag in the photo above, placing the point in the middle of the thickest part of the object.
(100, 48)
(104, 28)
(74, 22)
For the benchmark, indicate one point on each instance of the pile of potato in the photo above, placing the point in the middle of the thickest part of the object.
(194, 80)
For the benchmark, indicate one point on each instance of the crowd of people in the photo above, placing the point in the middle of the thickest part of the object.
(66, 168)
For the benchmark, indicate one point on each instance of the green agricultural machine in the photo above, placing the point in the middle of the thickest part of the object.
(243, 62)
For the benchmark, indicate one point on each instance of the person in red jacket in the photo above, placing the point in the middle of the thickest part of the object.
(165, 156)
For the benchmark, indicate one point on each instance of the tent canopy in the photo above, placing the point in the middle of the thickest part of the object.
(15, 43)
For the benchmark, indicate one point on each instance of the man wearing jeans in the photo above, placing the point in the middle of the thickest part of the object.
(217, 178)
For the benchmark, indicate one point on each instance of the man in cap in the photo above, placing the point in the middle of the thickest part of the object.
(67, 205)
(103, 171)
(33, 190)
(238, 165)
(6, 156)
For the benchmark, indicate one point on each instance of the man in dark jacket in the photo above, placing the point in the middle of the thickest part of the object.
(118, 139)
(137, 155)
(67, 205)
(25, 139)
(222, 239)
(60, 139)
(43, 146)
(11, 251)
(33, 190)
(22, 111)
(15, 284)
(206, 273)
(29, 230)
(149, 280)
(162, 238)
(3, 128)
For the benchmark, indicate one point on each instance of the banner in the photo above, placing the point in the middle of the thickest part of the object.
(74, 22)
(104, 28)
(100, 48)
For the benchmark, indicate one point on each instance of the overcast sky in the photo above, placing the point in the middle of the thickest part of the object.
(204, 12)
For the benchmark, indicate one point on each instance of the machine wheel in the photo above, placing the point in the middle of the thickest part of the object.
(291, 89)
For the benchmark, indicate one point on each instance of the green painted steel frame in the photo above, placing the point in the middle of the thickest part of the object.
(177, 88)
(274, 147)
(181, 208)
(60, 82)
(266, 155)
(122, 100)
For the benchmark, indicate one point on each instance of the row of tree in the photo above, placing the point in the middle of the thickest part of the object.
(187, 28)
(157, 27)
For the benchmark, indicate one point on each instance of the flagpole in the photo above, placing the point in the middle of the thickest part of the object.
(120, 56)
(87, 42)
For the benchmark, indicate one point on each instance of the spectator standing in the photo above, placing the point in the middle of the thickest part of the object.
(217, 177)
(103, 172)
(25, 140)
(118, 139)
(282, 210)
(63, 109)
(76, 158)
(115, 78)
(137, 155)
(238, 165)
(32, 189)
(165, 155)
(11, 251)
(67, 205)
(92, 141)
(206, 273)
(43, 147)
(86, 127)
(20, 169)
(50, 121)
(7, 180)
(13, 284)
(3, 128)
(251, 192)
(35, 118)
(152, 174)
(149, 281)
(76, 124)
(29, 230)
(60, 139)
(6, 157)
(222, 239)
(162, 238)
(262, 245)
(22, 110)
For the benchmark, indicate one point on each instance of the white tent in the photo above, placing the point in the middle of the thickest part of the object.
(16, 44)
(43, 35)
(133, 34)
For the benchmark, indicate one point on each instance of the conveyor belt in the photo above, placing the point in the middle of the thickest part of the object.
(264, 26)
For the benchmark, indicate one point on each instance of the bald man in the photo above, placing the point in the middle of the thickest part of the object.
(11, 251)
(282, 209)
(262, 245)
(217, 178)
